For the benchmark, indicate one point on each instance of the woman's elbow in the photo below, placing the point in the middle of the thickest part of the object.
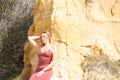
(28, 37)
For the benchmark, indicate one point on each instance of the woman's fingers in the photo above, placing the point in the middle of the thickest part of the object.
(40, 73)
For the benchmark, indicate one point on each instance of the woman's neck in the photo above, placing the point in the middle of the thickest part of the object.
(46, 44)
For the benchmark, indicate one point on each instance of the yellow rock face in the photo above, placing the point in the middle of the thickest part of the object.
(77, 27)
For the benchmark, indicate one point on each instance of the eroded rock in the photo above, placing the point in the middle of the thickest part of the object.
(79, 28)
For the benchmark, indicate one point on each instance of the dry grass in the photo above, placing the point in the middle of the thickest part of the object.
(101, 68)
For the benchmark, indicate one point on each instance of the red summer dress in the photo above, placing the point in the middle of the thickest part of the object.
(44, 60)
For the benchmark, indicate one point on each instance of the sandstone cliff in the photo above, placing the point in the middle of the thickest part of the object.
(86, 33)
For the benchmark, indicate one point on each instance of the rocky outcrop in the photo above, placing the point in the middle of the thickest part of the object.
(86, 32)
(15, 18)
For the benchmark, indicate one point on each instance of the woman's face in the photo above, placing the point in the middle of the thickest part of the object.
(44, 38)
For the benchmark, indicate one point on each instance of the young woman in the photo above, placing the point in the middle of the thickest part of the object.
(47, 57)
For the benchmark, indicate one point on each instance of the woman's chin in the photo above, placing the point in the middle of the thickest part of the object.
(43, 42)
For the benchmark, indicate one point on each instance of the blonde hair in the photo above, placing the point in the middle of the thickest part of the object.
(48, 33)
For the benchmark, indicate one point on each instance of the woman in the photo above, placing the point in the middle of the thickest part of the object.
(47, 57)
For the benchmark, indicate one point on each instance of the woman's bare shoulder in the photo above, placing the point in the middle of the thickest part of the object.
(53, 48)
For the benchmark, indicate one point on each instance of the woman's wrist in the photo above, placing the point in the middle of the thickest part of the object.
(43, 70)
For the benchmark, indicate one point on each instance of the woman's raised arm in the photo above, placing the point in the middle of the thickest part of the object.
(31, 39)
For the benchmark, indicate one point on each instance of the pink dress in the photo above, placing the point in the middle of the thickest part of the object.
(44, 60)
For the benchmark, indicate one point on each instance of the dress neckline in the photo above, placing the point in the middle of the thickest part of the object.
(44, 51)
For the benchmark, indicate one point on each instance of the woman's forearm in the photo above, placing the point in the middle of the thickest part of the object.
(49, 66)
(33, 37)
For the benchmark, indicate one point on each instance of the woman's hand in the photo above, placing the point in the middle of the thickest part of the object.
(40, 73)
